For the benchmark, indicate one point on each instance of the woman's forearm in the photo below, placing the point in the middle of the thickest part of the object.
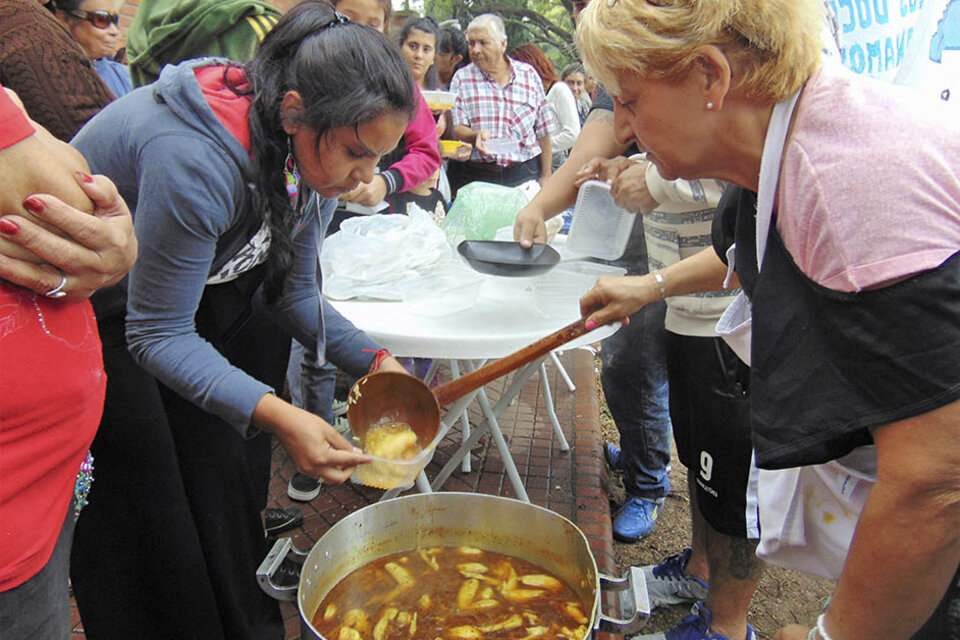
(618, 297)
(906, 547)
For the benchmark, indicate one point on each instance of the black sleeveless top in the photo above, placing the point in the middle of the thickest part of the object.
(828, 365)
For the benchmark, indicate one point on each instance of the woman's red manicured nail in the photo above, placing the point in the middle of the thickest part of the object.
(9, 227)
(33, 205)
(84, 177)
(591, 325)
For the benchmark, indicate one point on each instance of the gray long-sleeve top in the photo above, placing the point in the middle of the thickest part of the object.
(187, 180)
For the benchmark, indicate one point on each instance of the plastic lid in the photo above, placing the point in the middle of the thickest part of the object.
(599, 228)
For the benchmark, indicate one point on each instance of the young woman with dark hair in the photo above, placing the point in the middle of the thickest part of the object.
(415, 160)
(232, 173)
(452, 54)
(418, 43)
(417, 157)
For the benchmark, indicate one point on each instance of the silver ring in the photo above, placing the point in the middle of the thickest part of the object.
(57, 291)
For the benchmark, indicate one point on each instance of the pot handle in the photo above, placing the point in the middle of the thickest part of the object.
(281, 550)
(632, 603)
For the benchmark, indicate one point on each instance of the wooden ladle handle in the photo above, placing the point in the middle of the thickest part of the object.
(454, 389)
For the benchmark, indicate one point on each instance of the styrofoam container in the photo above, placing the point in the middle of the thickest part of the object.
(600, 228)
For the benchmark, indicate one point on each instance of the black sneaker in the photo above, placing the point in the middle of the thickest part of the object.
(287, 574)
(279, 520)
(303, 488)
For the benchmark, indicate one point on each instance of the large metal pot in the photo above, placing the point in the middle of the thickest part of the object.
(453, 519)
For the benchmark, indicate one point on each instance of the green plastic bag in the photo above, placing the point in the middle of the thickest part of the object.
(480, 209)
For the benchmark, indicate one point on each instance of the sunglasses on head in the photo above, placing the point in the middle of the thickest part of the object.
(99, 18)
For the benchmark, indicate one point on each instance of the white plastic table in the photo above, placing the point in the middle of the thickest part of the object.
(502, 320)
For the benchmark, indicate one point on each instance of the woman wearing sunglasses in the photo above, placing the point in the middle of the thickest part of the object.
(95, 25)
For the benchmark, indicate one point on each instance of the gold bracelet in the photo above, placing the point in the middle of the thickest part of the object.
(661, 287)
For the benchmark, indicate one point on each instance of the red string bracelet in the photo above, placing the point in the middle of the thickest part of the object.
(377, 359)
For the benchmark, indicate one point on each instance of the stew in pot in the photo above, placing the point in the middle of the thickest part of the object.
(451, 593)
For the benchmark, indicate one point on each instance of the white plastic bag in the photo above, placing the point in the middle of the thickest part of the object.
(369, 255)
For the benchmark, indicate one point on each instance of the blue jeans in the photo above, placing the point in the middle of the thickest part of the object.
(311, 384)
(634, 378)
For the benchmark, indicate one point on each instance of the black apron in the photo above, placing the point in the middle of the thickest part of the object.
(828, 365)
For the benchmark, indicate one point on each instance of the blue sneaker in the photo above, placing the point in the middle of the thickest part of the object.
(635, 519)
(611, 453)
(693, 627)
(668, 582)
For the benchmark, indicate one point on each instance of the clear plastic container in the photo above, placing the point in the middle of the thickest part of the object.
(439, 294)
(557, 298)
(502, 146)
(439, 100)
(386, 473)
(580, 273)
(600, 228)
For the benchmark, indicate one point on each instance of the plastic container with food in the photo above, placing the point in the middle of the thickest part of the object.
(449, 147)
(439, 100)
(397, 468)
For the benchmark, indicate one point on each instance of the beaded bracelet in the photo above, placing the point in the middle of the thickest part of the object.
(658, 277)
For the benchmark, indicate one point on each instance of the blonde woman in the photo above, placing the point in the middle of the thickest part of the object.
(856, 311)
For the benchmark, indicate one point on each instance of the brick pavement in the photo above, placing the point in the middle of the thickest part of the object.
(569, 483)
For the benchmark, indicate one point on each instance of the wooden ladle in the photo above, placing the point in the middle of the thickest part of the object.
(396, 397)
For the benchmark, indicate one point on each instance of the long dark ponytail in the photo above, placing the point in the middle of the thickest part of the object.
(346, 75)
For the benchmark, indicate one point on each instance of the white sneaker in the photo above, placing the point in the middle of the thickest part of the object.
(668, 583)
(303, 488)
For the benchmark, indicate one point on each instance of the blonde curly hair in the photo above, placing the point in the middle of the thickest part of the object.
(773, 46)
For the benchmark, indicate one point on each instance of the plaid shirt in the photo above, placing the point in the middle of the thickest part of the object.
(518, 110)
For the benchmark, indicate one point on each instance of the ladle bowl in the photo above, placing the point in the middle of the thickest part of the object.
(387, 396)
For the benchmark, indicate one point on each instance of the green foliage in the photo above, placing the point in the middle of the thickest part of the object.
(546, 23)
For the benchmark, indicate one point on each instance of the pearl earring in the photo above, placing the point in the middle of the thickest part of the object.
(709, 106)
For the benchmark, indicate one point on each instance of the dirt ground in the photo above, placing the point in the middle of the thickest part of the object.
(783, 597)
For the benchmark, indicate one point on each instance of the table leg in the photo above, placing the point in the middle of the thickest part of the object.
(502, 447)
(551, 411)
(464, 418)
(563, 372)
(432, 371)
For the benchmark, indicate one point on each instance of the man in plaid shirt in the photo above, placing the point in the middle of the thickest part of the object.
(501, 110)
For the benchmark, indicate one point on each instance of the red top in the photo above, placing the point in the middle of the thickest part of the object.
(52, 387)
(14, 125)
